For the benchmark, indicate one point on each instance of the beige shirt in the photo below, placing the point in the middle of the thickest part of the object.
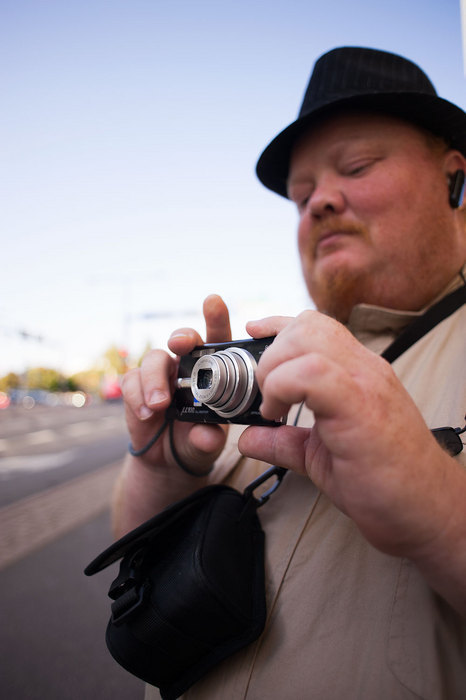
(345, 621)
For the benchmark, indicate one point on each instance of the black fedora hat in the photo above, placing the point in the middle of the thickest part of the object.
(361, 78)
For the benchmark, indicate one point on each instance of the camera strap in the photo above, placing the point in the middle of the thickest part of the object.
(447, 437)
(425, 323)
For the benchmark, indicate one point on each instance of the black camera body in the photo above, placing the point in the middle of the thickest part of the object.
(217, 384)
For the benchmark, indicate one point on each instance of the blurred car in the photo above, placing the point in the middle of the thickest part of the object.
(110, 389)
(4, 400)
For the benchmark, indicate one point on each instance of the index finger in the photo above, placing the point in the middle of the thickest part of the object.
(217, 319)
(270, 326)
(218, 329)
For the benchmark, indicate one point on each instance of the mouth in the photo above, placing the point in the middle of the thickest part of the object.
(329, 240)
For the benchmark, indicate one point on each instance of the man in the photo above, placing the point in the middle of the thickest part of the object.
(365, 540)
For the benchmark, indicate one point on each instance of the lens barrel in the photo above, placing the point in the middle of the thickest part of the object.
(225, 381)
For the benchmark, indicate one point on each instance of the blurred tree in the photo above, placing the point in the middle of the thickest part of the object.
(112, 364)
(88, 380)
(10, 381)
(116, 360)
(47, 379)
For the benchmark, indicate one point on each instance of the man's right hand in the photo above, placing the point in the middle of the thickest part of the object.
(148, 391)
(152, 481)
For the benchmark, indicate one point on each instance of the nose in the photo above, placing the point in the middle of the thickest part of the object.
(327, 198)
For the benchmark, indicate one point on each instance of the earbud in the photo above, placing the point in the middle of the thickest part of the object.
(456, 188)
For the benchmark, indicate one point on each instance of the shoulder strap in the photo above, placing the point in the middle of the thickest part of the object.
(423, 324)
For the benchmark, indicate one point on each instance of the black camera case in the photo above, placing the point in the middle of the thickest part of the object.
(190, 591)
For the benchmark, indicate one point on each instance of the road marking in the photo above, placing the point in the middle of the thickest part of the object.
(37, 520)
(83, 428)
(111, 422)
(39, 437)
(33, 463)
(71, 430)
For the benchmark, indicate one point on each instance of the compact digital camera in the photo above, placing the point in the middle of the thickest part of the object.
(217, 384)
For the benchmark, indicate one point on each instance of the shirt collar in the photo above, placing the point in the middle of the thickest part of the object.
(367, 320)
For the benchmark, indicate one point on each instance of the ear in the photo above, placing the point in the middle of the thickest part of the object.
(455, 170)
(456, 188)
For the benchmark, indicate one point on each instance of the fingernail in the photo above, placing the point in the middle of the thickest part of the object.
(145, 413)
(157, 397)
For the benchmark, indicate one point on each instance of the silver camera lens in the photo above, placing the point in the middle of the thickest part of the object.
(225, 381)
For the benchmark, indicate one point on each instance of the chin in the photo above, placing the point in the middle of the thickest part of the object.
(336, 294)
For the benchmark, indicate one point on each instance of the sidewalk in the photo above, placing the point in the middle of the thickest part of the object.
(52, 639)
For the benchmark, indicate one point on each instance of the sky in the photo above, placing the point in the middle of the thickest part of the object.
(129, 133)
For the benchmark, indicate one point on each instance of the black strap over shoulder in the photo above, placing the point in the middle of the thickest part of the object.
(447, 437)
(423, 324)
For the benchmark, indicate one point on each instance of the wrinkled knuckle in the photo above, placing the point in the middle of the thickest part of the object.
(315, 364)
(154, 355)
(384, 369)
(306, 316)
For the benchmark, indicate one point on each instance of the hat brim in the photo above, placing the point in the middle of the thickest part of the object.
(433, 113)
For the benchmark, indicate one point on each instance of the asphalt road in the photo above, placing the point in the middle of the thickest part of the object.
(57, 469)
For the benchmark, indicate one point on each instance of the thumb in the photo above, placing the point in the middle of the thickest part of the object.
(199, 445)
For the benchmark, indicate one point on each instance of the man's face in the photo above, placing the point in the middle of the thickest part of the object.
(375, 225)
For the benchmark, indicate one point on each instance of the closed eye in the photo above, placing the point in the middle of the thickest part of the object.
(302, 204)
(300, 197)
(360, 167)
